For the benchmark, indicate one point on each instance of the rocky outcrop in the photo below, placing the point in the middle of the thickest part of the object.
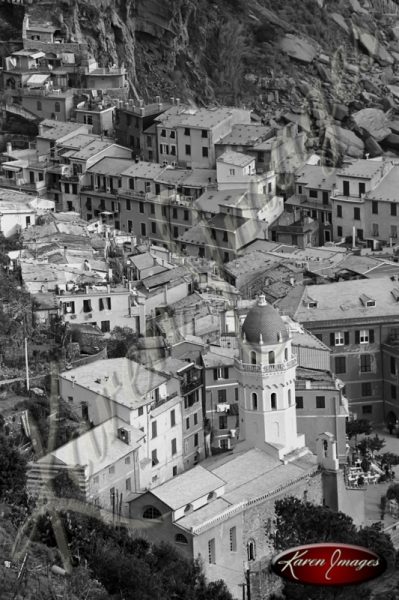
(374, 122)
(298, 48)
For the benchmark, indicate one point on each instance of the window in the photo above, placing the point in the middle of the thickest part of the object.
(289, 398)
(299, 402)
(374, 207)
(180, 539)
(66, 188)
(111, 470)
(362, 188)
(131, 183)
(154, 429)
(232, 171)
(195, 418)
(345, 185)
(175, 232)
(105, 326)
(128, 484)
(187, 131)
(172, 418)
(140, 411)
(393, 392)
(154, 458)
(188, 149)
(325, 198)
(38, 105)
(174, 446)
(367, 389)
(233, 539)
(393, 365)
(393, 210)
(163, 132)
(356, 213)
(174, 213)
(141, 207)
(394, 231)
(196, 440)
(150, 512)
(253, 357)
(273, 401)
(359, 233)
(340, 365)
(271, 357)
(204, 133)
(299, 189)
(223, 422)
(338, 338)
(143, 229)
(320, 402)
(173, 150)
(153, 227)
(188, 423)
(375, 230)
(364, 336)
(367, 409)
(68, 308)
(339, 232)
(87, 306)
(313, 194)
(254, 399)
(365, 363)
(251, 550)
(57, 107)
(174, 471)
(204, 152)
(211, 552)
(104, 303)
(127, 460)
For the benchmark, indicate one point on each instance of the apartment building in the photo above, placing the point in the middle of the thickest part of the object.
(355, 202)
(132, 119)
(238, 171)
(314, 186)
(141, 398)
(358, 321)
(221, 397)
(98, 114)
(190, 377)
(103, 305)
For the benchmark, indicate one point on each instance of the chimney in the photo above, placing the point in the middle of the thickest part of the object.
(172, 100)
(177, 101)
(9, 147)
(157, 99)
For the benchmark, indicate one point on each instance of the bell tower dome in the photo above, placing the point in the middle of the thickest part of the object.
(266, 375)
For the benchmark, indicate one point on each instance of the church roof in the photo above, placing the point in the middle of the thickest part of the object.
(263, 324)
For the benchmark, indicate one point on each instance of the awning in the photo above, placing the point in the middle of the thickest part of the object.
(37, 79)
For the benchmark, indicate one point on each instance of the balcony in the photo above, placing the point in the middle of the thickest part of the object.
(188, 387)
(74, 177)
(100, 190)
(267, 369)
(22, 184)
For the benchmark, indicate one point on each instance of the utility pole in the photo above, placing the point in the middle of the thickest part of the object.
(26, 363)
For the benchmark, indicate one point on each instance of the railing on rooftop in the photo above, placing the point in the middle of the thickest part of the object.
(265, 368)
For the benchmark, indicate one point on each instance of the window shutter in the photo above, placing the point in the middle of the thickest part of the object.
(346, 337)
(371, 336)
(332, 339)
(357, 337)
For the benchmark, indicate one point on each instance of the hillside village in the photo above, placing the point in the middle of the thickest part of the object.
(208, 300)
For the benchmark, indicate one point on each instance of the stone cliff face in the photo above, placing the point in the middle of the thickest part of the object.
(313, 56)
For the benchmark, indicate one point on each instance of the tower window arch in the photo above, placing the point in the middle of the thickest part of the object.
(253, 357)
(251, 550)
(273, 401)
(271, 357)
(254, 398)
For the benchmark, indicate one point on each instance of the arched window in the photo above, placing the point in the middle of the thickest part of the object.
(271, 357)
(251, 550)
(325, 448)
(254, 401)
(151, 513)
(286, 354)
(273, 401)
(57, 107)
(180, 539)
(253, 357)
(289, 398)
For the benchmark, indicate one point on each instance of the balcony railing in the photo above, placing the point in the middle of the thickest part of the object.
(188, 387)
(266, 368)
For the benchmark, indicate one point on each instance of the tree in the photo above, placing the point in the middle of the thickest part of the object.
(122, 338)
(371, 445)
(357, 427)
(393, 492)
(389, 458)
(12, 470)
(299, 523)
